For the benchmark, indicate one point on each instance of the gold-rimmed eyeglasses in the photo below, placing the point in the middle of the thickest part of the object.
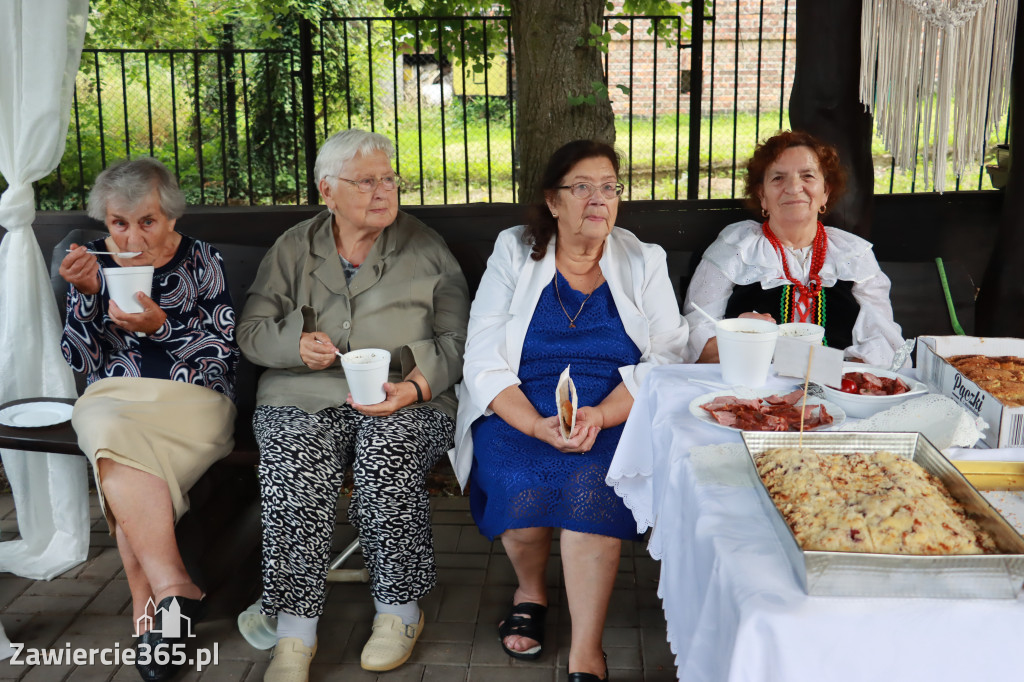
(366, 185)
(585, 190)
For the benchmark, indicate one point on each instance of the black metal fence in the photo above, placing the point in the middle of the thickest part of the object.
(210, 115)
(242, 126)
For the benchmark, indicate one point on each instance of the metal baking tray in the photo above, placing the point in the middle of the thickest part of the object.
(852, 574)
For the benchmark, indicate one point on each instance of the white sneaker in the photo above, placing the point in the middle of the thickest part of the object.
(290, 661)
(391, 643)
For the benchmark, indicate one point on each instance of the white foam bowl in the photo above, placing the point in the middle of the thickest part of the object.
(861, 406)
(805, 331)
(366, 370)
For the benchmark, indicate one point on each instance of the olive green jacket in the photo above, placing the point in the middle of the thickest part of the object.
(409, 297)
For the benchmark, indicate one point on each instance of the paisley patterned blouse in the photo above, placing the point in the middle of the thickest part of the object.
(196, 344)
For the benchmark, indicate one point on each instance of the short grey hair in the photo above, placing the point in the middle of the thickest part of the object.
(129, 182)
(340, 148)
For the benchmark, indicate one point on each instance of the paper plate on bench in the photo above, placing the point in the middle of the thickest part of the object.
(35, 414)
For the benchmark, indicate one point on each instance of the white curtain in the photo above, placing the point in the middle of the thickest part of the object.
(40, 48)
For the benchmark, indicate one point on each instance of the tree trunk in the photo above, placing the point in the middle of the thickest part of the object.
(551, 66)
(826, 101)
(1002, 290)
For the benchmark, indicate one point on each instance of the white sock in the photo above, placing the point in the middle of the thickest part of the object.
(296, 626)
(409, 612)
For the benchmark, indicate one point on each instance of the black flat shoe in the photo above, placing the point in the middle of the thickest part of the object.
(187, 612)
(525, 619)
(590, 677)
(151, 671)
(193, 609)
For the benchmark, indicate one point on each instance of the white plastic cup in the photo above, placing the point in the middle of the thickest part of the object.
(124, 283)
(805, 331)
(258, 630)
(366, 371)
(745, 350)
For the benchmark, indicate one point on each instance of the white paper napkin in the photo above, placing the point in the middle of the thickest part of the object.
(941, 420)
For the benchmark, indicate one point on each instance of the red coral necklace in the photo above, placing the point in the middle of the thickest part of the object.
(809, 292)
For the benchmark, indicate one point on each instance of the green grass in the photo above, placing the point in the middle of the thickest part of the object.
(469, 161)
(649, 168)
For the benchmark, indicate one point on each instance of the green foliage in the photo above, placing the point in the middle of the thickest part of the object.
(597, 90)
(480, 40)
(199, 23)
(491, 38)
(482, 108)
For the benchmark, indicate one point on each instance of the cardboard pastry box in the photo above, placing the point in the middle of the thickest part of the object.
(1005, 424)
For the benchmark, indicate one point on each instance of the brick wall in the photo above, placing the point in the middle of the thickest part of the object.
(731, 61)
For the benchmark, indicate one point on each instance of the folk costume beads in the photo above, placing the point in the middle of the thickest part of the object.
(802, 303)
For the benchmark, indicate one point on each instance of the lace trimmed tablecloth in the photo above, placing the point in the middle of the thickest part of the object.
(733, 607)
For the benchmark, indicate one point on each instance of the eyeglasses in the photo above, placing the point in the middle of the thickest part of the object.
(389, 182)
(584, 190)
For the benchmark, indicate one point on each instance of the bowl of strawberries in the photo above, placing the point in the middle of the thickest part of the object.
(866, 390)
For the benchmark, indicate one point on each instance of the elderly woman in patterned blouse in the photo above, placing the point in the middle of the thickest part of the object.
(148, 373)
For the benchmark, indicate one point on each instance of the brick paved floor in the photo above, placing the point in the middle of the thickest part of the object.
(88, 606)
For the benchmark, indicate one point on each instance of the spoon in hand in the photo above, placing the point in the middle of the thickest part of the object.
(336, 352)
(119, 254)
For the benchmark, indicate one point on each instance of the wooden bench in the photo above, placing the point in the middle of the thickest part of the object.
(219, 537)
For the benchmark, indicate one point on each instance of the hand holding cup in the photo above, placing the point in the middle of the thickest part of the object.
(147, 322)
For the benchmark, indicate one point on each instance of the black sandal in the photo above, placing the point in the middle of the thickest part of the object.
(524, 620)
(589, 677)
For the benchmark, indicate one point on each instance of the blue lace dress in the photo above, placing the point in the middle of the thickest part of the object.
(521, 482)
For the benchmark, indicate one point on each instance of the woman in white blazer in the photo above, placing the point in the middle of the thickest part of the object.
(567, 289)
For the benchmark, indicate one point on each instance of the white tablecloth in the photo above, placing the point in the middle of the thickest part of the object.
(732, 603)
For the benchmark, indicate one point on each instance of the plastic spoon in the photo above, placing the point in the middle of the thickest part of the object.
(901, 355)
(119, 254)
(336, 352)
(704, 313)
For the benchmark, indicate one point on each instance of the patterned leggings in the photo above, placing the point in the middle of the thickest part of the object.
(303, 458)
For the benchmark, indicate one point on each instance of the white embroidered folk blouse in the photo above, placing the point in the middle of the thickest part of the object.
(742, 255)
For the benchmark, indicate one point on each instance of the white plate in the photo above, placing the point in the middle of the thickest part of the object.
(837, 413)
(36, 414)
(861, 406)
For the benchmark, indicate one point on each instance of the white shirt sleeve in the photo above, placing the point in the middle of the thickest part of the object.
(876, 336)
(667, 330)
(486, 368)
(710, 289)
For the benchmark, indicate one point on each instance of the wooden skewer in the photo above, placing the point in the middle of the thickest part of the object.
(803, 407)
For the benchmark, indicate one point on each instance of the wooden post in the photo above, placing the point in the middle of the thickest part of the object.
(826, 101)
(1001, 299)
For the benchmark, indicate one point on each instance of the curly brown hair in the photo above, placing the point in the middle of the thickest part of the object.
(540, 224)
(768, 151)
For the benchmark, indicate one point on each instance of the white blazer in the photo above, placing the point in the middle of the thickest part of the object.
(505, 301)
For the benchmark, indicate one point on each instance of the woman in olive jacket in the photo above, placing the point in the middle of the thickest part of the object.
(361, 275)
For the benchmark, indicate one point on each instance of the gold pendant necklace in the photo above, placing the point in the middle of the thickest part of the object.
(572, 319)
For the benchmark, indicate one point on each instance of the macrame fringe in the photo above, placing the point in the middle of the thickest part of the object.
(928, 63)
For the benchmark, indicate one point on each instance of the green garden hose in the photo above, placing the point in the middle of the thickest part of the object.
(949, 299)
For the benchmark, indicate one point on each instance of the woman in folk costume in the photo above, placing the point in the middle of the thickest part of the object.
(790, 267)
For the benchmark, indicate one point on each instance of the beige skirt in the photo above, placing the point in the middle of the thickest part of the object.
(171, 429)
